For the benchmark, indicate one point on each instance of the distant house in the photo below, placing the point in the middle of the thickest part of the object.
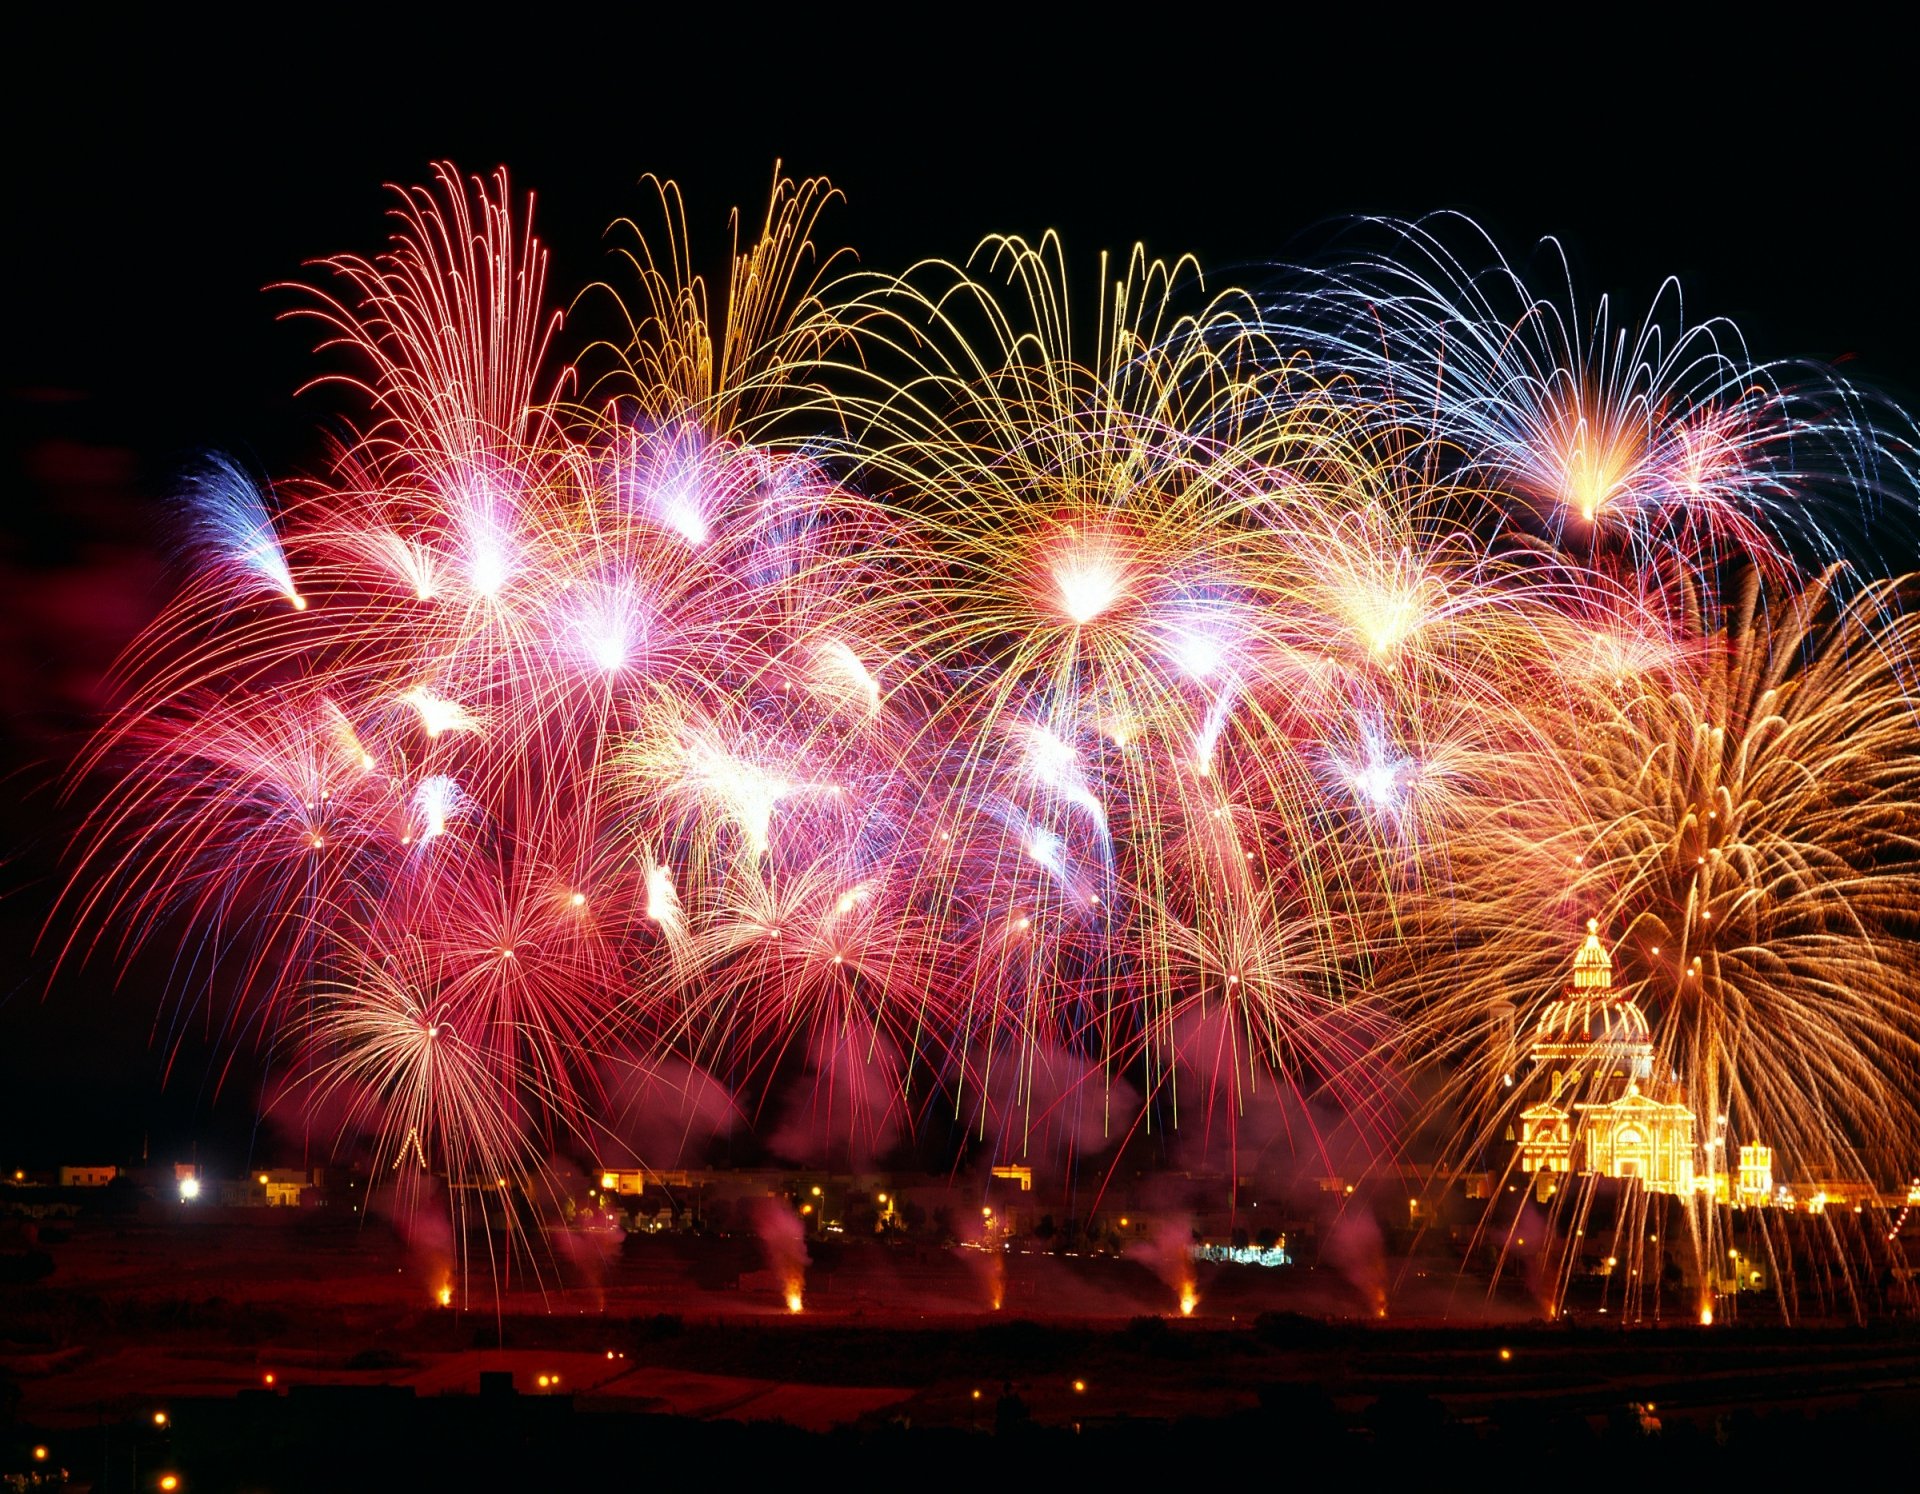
(87, 1177)
(281, 1187)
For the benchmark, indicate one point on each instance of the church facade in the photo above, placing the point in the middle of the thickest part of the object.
(1595, 1110)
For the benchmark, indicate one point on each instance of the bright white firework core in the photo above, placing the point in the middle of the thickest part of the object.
(1089, 585)
(663, 899)
(435, 800)
(437, 715)
(1377, 782)
(609, 651)
(489, 570)
(1200, 655)
(682, 514)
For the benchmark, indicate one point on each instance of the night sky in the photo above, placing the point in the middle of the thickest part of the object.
(157, 181)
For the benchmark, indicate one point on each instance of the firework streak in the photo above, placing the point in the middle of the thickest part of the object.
(908, 687)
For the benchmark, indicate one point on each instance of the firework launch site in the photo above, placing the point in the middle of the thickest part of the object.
(254, 1328)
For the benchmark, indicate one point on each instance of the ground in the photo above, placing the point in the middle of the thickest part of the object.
(146, 1310)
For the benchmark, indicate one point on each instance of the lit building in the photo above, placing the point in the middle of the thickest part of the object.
(1754, 1189)
(1596, 1113)
(1840, 1195)
(282, 1187)
(633, 1181)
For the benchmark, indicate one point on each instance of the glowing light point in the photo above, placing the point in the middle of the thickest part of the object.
(609, 651)
(663, 900)
(1089, 585)
(488, 572)
(434, 801)
(1200, 655)
(680, 513)
(845, 665)
(1376, 783)
(437, 716)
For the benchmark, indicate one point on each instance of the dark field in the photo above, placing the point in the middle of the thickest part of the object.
(681, 1347)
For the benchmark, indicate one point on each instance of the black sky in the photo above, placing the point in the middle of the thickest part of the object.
(159, 176)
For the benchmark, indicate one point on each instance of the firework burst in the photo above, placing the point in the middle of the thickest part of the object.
(890, 680)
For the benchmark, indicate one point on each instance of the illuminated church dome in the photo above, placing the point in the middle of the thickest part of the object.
(1590, 1012)
(1592, 1112)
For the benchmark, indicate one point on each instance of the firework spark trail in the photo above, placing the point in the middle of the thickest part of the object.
(894, 681)
(1664, 438)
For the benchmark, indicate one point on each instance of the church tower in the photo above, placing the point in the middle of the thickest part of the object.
(1593, 1111)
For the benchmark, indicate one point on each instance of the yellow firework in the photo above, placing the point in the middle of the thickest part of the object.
(1744, 824)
